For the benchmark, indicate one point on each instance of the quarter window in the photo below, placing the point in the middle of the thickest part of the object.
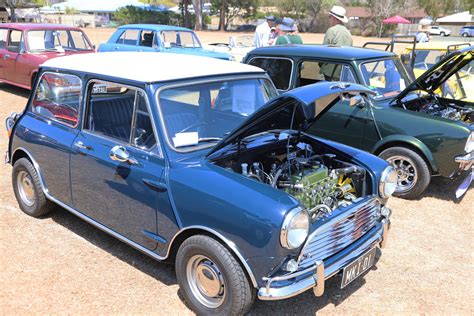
(278, 69)
(121, 113)
(3, 38)
(57, 96)
(129, 37)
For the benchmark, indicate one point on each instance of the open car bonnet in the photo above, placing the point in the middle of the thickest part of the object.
(434, 77)
(294, 110)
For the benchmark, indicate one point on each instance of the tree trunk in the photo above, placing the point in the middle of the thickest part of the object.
(222, 15)
(197, 5)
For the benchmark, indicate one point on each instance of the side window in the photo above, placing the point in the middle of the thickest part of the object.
(129, 37)
(119, 112)
(312, 72)
(279, 70)
(57, 96)
(15, 39)
(146, 38)
(3, 38)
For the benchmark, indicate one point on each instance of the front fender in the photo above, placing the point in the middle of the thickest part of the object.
(397, 140)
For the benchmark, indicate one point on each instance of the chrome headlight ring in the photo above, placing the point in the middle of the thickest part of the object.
(469, 147)
(295, 228)
(388, 182)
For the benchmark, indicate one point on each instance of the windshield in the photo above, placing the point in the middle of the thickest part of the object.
(183, 39)
(57, 40)
(386, 77)
(202, 114)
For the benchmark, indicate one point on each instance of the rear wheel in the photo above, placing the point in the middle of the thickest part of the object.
(464, 34)
(414, 175)
(212, 280)
(27, 189)
(442, 34)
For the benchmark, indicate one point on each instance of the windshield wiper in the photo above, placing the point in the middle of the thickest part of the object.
(208, 139)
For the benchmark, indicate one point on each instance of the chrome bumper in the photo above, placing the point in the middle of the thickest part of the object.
(320, 272)
(465, 162)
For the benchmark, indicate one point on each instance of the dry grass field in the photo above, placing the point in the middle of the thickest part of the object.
(61, 265)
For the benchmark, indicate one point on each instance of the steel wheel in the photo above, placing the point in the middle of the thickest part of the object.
(26, 188)
(205, 281)
(406, 171)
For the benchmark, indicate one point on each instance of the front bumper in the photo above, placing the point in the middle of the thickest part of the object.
(315, 276)
(465, 162)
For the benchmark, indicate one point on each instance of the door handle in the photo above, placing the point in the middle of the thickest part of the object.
(81, 145)
(6, 56)
(120, 154)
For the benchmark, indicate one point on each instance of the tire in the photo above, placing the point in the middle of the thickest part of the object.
(27, 189)
(229, 294)
(464, 34)
(414, 173)
(442, 34)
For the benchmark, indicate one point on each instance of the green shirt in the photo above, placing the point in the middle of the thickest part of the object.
(289, 39)
(338, 35)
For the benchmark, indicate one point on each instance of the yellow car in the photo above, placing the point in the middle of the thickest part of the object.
(428, 54)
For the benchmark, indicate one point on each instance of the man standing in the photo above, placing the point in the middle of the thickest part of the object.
(338, 34)
(262, 32)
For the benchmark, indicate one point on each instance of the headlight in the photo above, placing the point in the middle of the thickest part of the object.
(294, 229)
(388, 182)
(469, 144)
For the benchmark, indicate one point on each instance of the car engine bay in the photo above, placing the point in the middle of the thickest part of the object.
(321, 181)
(446, 108)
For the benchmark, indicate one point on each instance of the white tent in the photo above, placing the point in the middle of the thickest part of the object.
(462, 17)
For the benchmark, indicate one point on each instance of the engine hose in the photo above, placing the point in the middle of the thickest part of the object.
(254, 176)
(347, 170)
(277, 175)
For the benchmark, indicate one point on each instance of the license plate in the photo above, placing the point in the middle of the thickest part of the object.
(359, 266)
(99, 89)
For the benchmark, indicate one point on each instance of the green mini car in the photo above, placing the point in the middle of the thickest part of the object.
(421, 133)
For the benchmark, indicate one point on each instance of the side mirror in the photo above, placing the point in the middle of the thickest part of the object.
(357, 101)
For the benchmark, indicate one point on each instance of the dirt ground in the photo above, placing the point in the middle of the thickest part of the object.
(61, 265)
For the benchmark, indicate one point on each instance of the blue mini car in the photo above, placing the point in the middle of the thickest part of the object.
(158, 38)
(205, 166)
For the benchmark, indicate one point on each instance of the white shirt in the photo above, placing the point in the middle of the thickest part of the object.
(262, 35)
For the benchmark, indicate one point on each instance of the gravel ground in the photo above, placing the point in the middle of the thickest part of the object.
(61, 265)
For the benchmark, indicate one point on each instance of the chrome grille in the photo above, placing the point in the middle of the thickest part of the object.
(338, 233)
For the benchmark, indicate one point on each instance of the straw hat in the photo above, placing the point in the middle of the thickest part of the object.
(339, 13)
(424, 25)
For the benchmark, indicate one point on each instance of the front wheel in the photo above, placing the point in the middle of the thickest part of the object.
(442, 34)
(212, 280)
(414, 175)
(464, 34)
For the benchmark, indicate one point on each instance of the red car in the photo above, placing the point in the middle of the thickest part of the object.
(24, 46)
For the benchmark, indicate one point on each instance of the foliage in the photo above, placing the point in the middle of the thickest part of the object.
(234, 8)
(382, 9)
(71, 10)
(134, 15)
(167, 3)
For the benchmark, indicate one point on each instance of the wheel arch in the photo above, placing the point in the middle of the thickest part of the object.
(201, 230)
(409, 143)
(23, 153)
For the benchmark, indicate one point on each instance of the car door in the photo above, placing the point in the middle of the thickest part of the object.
(127, 41)
(3, 51)
(342, 123)
(117, 165)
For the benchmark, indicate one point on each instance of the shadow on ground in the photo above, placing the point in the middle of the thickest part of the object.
(160, 271)
(445, 189)
(164, 273)
(14, 90)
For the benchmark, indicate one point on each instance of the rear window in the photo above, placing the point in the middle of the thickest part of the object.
(279, 70)
(57, 97)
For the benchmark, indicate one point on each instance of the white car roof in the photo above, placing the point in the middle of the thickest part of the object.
(149, 66)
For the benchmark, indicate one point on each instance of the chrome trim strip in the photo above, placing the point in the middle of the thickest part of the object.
(268, 293)
(122, 238)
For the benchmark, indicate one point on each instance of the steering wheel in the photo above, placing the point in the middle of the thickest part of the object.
(192, 126)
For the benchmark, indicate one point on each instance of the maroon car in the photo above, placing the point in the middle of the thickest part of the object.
(24, 46)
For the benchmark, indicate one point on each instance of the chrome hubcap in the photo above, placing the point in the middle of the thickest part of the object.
(407, 175)
(25, 188)
(206, 281)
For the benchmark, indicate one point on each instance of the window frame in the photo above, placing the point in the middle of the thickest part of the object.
(22, 39)
(123, 39)
(6, 38)
(290, 82)
(79, 107)
(88, 93)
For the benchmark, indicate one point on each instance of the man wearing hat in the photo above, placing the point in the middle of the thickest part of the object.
(424, 28)
(262, 32)
(288, 36)
(338, 34)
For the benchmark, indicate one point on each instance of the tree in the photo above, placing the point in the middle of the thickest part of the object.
(197, 5)
(382, 9)
(230, 9)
